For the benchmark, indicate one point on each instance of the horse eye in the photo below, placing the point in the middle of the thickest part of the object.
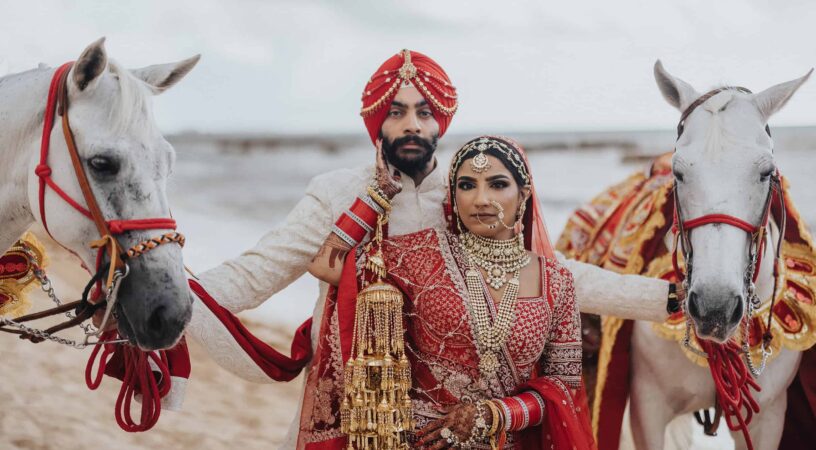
(763, 177)
(678, 175)
(104, 165)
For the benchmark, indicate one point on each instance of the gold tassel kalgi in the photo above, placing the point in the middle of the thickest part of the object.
(376, 410)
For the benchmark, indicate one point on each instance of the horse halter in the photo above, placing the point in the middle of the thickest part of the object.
(117, 269)
(682, 226)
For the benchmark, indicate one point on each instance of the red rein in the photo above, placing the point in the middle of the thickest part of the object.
(734, 384)
(138, 378)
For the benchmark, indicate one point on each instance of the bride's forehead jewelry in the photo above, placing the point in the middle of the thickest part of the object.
(479, 163)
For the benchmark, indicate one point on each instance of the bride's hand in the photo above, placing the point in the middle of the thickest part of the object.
(459, 419)
(390, 184)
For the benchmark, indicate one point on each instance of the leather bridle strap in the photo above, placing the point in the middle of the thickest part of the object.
(58, 104)
(704, 98)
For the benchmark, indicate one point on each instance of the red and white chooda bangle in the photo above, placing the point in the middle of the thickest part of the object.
(522, 411)
(359, 220)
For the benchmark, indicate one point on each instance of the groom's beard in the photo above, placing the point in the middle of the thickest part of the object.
(409, 162)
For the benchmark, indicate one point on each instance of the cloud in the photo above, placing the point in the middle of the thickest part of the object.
(299, 66)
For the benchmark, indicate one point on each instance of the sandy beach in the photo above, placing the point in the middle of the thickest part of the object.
(44, 403)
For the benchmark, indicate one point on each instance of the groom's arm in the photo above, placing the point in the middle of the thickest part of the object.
(278, 259)
(601, 291)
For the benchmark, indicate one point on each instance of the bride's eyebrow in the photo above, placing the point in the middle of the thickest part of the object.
(497, 177)
(465, 178)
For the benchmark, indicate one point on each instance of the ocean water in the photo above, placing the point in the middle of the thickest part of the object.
(228, 191)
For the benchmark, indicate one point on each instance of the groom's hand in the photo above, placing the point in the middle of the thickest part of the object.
(389, 183)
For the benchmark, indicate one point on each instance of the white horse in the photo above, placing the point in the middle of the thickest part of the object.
(722, 165)
(127, 161)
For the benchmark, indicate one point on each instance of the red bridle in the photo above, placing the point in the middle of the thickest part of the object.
(681, 228)
(58, 104)
(730, 374)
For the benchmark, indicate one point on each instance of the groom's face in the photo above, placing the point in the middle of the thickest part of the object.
(410, 132)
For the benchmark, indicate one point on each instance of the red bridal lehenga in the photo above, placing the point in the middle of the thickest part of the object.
(542, 352)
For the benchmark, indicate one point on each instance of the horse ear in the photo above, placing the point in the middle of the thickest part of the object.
(676, 91)
(163, 76)
(774, 98)
(90, 65)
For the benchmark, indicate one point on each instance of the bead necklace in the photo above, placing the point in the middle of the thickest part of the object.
(497, 258)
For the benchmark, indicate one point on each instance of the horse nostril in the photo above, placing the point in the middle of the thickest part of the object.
(736, 313)
(156, 321)
(693, 307)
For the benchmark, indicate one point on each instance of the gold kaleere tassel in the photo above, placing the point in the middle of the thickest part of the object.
(376, 410)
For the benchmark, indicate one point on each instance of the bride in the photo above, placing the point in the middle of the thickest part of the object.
(492, 327)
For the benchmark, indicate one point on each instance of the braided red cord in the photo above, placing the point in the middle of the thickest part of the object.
(138, 379)
(733, 383)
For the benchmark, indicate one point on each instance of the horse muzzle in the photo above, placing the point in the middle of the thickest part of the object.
(154, 306)
(715, 313)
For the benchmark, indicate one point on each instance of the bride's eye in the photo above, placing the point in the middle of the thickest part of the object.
(465, 185)
(499, 184)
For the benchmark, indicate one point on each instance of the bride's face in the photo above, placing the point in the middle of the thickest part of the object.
(481, 197)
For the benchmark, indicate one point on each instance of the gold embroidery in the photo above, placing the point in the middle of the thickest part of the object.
(17, 275)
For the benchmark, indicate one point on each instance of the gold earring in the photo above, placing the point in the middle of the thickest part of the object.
(522, 209)
(519, 225)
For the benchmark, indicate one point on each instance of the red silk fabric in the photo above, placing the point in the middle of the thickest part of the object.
(278, 366)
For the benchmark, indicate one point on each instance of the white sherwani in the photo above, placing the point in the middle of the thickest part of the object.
(284, 254)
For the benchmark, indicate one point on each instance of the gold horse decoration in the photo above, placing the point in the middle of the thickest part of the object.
(17, 275)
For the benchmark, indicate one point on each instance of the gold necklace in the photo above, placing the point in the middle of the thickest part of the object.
(497, 258)
(491, 338)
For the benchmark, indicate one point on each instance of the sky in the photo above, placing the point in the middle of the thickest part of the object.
(524, 66)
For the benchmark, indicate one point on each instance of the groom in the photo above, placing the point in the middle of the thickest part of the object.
(408, 104)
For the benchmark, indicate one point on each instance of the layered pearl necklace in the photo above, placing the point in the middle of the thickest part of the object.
(497, 258)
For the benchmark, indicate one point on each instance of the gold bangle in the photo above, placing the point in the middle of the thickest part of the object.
(382, 201)
(494, 411)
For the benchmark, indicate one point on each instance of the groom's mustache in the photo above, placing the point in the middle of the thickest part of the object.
(413, 139)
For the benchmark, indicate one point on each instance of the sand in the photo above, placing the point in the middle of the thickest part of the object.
(45, 404)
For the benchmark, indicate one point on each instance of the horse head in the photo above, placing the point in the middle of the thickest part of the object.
(723, 174)
(127, 162)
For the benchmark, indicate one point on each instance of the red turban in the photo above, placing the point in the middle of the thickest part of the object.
(408, 67)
